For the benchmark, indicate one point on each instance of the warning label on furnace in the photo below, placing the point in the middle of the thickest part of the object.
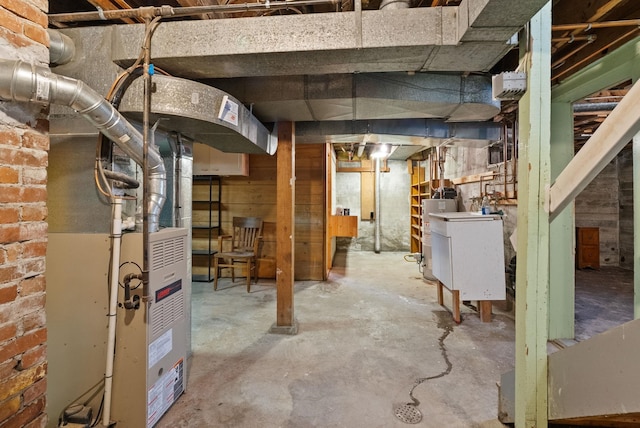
(164, 393)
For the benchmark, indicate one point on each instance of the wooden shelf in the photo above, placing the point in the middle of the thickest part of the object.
(207, 214)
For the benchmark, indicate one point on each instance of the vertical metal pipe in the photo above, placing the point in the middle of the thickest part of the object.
(376, 242)
(145, 161)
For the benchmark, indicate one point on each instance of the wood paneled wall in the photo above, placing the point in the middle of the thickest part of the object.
(256, 196)
(625, 180)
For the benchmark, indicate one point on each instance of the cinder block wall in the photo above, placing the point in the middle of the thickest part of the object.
(24, 144)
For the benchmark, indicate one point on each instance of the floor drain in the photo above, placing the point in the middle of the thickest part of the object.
(408, 413)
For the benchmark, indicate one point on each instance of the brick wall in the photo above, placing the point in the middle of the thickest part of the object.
(24, 143)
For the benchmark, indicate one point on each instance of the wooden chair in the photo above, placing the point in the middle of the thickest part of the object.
(245, 239)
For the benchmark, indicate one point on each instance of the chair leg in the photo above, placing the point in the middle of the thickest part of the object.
(215, 274)
(233, 271)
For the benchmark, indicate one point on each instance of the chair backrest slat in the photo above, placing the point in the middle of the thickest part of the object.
(245, 232)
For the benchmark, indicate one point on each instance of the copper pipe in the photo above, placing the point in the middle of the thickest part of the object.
(561, 60)
(590, 25)
(570, 39)
(147, 12)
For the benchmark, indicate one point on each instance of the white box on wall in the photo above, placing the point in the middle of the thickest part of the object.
(209, 161)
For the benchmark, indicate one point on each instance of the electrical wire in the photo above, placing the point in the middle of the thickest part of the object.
(75, 401)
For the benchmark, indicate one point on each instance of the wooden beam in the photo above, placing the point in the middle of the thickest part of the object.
(285, 229)
(532, 273)
(615, 132)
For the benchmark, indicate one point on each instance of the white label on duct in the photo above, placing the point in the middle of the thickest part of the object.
(195, 98)
(42, 89)
(228, 111)
(160, 347)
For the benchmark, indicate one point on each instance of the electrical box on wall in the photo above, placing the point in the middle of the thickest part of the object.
(209, 161)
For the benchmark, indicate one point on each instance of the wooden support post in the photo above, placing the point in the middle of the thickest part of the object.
(285, 229)
(440, 295)
(455, 304)
(484, 307)
(532, 273)
(562, 231)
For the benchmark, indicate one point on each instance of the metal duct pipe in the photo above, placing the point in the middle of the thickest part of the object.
(61, 48)
(395, 4)
(21, 81)
(376, 241)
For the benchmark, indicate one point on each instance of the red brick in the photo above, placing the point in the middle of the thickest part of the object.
(27, 11)
(8, 273)
(34, 176)
(11, 22)
(9, 215)
(33, 321)
(32, 267)
(33, 230)
(8, 175)
(32, 157)
(7, 331)
(9, 408)
(34, 249)
(10, 137)
(9, 233)
(16, 40)
(32, 285)
(6, 314)
(31, 340)
(34, 140)
(34, 194)
(34, 213)
(10, 194)
(13, 251)
(26, 415)
(27, 305)
(33, 356)
(37, 390)
(37, 34)
(8, 368)
(39, 422)
(8, 294)
(8, 351)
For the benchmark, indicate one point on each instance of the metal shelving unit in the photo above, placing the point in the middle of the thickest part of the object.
(207, 210)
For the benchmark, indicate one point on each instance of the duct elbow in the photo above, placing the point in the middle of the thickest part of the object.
(61, 48)
(157, 195)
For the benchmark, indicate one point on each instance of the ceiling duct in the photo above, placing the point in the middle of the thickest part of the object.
(366, 96)
(203, 113)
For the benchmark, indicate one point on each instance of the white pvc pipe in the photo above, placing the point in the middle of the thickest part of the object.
(376, 241)
(116, 236)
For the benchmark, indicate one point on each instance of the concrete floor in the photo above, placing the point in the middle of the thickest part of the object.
(366, 337)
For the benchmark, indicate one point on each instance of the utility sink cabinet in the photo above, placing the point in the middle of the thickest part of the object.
(468, 257)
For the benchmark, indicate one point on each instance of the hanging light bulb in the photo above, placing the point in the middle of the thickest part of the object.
(381, 151)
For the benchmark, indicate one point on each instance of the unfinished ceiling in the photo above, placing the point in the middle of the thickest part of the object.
(314, 62)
